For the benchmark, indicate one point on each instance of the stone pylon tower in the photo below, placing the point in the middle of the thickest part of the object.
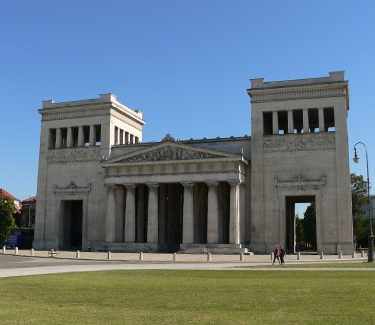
(299, 150)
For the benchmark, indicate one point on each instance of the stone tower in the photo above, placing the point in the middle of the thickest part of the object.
(75, 137)
(299, 150)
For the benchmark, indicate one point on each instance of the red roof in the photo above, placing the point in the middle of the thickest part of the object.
(6, 195)
(29, 200)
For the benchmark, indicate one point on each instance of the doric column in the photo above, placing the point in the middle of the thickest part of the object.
(305, 121)
(92, 135)
(188, 214)
(275, 123)
(212, 213)
(290, 122)
(321, 120)
(234, 219)
(129, 230)
(69, 138)
(58, 138)
(140, 223)
(80, 136)
(152, 222)
(110, 215)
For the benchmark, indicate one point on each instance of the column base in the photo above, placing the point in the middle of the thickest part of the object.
(124, 247)
(213, 248)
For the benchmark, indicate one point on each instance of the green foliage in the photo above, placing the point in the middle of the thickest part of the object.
(309, 227)
(7, 223)
(359, 203)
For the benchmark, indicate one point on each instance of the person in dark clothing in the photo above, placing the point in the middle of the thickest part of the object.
(282, 254)
(276, 255)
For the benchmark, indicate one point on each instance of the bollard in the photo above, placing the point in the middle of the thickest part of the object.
(109, 255)
(77, 254)
(321, 255)
(174, 257)
(362, 252)
(298, 256)
(32, 252)
(340, 254)
(4, 250)
(242, 257)
(209, 257)
(140, 256)
(16, 250)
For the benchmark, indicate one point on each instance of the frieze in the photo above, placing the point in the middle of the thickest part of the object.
(72, 188)
(301, 183)
(296, 93)
(300, 142)
(74, 154)
(167, 153)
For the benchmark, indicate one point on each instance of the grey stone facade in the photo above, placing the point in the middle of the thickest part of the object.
(100, 187)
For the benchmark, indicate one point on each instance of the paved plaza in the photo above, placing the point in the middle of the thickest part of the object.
(24, 264)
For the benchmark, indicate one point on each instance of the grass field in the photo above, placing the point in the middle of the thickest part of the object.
(190, 297)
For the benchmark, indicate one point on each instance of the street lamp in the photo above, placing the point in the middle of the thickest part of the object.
(371, 234)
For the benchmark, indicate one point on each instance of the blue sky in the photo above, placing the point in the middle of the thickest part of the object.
(186, 64)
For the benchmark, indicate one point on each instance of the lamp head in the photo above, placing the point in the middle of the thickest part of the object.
(355, 158)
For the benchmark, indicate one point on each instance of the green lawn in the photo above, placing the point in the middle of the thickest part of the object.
(190, 297)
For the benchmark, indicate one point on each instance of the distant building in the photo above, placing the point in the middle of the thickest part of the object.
(27, 218)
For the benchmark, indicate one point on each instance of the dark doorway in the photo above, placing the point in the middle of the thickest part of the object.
(300, 224)
(72, 216)
(170, 216)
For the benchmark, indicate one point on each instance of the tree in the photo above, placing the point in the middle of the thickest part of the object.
(7, 223)
(309, 227)
(359, 203)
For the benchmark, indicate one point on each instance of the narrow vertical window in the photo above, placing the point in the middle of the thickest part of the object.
(282, 117)
(298, 120)
(136, 139)
(75, 136)
(52, 139)
(267, 123)
(126, 137)
(64, 137)
(116, 135)
(131, 138)
(313, 120)
(86, 135)
(329, 119)
(98, 134)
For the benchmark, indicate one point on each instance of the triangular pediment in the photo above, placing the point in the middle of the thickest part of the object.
(171, 151)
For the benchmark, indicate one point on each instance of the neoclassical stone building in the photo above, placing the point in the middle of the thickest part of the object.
(101, 187)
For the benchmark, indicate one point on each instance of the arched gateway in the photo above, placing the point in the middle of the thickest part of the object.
(101, 187)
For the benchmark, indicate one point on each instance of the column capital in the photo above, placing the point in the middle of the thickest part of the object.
(152, 185)
(234, 182)
(212, 183)
(187, 184)
(130, 186)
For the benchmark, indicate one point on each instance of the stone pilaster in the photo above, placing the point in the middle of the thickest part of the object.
(188, 214)
(92, 135)
(69, 138)
(152, 224)
(129, 230)
(110, 215)
(58, 138)
(305, 115)
(212, 213)
(321, 119)
(234, 219)
(290, 122)
(275, 123)
(80, 136)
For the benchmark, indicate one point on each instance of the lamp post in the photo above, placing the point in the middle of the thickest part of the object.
(371, 234)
